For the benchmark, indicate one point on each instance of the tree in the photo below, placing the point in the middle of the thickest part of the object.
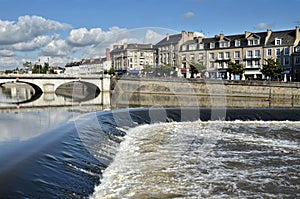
(147, 69)
(271, 68)
(196, 67)
(111, 71)
(166, 69)
(235, 68)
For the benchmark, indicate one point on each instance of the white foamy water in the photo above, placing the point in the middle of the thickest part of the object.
(205, 160)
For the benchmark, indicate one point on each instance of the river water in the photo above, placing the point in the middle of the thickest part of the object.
(186, 152)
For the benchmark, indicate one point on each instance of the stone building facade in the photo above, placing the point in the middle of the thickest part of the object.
(132, 58)
(249, 49)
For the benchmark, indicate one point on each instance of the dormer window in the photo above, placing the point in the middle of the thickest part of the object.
(237, 43)
(184, 48)
(212, 45)
(192, 47)
(224, 44)
(278, 41)
(253, 42)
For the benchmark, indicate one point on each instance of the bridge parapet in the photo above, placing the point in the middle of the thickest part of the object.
(48, 83)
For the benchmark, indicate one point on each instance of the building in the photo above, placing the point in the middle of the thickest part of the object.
(168, 48)
(249, 49)
(132, 58)
(89, 66)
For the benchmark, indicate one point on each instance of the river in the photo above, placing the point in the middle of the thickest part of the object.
(87, 150)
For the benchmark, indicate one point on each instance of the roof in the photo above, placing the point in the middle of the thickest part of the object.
(172, 39)
(287, 37)
(133, 46)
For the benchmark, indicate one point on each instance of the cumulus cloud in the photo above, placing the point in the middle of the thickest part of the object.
(27, 28)
(33, 38)
(263, 26)
(188, 15)
(57, 48)
(33, 44)
(7, 53)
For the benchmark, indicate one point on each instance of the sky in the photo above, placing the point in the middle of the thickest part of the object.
(62, 31)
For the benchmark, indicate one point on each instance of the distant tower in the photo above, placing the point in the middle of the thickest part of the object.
(107, 54)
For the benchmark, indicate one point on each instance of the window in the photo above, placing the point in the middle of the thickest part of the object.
(249, 53)
(253, 42)
(257, 63)
(297, 60)
(278, 52)
(257, 53)
(183, 57)
(184, 48)
(211, 64)
(224, 44)
(201, 46)
(286, 61)
(249, 64)
(220, 55)
(192, 57)
(212, 45)
(278, 41)
(227, 55)
(201, 56)
(192, 47)
(237, 54)
(269, 52)
(237, 43)
(286, 51)
(211, 56)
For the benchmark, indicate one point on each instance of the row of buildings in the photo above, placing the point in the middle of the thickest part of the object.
(214, 53)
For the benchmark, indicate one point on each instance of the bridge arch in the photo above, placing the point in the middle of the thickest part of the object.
(78, 90)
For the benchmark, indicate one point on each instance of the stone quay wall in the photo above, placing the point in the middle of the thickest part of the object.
(171, 92)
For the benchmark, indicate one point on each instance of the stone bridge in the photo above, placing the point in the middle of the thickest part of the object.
(47, 83)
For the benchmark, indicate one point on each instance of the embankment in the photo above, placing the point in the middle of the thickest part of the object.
(171, 92)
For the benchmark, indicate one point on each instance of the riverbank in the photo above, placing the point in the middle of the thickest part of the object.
(168, 92)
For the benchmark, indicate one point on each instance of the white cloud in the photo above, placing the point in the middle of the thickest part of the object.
(188, 15)
(7, 53)
(263, 26)
(57, 48)
(34, 44)
(31, 38)
(27, 28)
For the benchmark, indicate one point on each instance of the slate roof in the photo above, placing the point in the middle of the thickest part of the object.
(172, 39)
(287, 36)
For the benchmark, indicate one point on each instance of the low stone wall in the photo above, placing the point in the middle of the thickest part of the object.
(204, 92)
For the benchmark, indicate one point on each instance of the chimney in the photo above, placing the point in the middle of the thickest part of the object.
(247, 34)
(190, 35)
(221, 36)
(297, 39)
(269, 32)
(107, 54)
(168, 36)
(125, 45)
(115, 46)
(183, 36)
(199, 39)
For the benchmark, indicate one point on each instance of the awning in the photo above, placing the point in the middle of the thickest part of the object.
(134, 72)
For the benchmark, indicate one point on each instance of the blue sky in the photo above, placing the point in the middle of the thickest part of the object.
(66, 30)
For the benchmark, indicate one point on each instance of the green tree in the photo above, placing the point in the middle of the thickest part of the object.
(166, 69)
(111, 71)
(196, 67)
(235, 68)
(271, 68)
(147, 69)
